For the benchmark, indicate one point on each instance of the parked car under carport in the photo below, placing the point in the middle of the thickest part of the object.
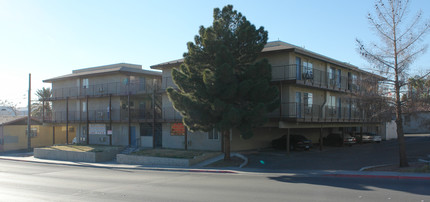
(335, 139)
(368, 137)
(297, 142)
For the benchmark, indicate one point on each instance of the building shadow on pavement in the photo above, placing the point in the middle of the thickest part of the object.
(361, 184)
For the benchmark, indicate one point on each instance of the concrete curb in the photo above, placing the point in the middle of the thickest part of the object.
(118, 166)
(245, 160)
(302, 173)
(220, 157)
(368, 167)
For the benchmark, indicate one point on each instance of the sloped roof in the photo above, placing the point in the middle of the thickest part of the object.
(276, 46)
(106, 69)
(18, 120)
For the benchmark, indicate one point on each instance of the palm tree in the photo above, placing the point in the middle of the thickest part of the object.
(42, 105)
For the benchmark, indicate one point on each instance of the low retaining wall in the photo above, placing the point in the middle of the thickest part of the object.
(91, 157)
(161, 161)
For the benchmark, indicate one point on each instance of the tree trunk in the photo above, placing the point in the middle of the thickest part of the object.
(226, 138)
(399, 122)
(400, 136)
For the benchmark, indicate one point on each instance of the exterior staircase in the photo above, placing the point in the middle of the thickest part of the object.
(129, 150)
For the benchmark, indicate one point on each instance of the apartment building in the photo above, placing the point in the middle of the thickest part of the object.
(118, 104)
(319, 96)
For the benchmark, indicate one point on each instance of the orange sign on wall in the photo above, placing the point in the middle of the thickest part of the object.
(177, 129)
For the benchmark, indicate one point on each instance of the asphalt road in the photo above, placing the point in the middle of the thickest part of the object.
(342, 158)
(29, 181)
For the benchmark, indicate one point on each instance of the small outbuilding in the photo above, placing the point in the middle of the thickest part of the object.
(13, 134)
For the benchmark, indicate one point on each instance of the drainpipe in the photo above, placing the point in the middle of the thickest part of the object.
(322, 112)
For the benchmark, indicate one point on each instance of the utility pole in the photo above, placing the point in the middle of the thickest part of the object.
(29, 115)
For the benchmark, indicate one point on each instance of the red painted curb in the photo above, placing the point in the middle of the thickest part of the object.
(380, 176)
(212, 171)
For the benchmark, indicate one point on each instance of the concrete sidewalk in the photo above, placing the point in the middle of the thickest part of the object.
(28, 157)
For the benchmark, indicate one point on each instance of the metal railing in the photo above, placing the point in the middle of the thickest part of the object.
(101, 115)
(115, 88)
(167, 82)
(314, 77)
(169, 113)
(317, 113)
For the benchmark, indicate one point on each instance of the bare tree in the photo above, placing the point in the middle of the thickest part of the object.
(397, 49)
(418, 95)
(10, 105)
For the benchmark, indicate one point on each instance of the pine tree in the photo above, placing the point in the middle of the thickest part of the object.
(220, 84)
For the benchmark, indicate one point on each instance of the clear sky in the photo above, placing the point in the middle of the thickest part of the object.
(50, 38)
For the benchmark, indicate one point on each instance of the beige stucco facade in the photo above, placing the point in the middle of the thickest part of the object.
(314, 105)
(15, 137)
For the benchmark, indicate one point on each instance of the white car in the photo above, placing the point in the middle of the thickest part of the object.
(370, 137)
(377, 138)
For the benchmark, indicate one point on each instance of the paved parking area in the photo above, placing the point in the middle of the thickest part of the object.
(341, 158)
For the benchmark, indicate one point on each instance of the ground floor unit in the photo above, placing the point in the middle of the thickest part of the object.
(173, 135)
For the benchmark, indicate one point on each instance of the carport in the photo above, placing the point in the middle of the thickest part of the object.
(324, 129)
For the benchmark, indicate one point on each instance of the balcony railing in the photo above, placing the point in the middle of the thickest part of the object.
(115, 88)
(316, 113)
(314, 77)
(170, 114)
(167, 82)
(100, 116)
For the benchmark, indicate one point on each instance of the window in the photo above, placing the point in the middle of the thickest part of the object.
(332, 76)
(308, 70)
(33, 132)
(177, 129)
(213, 134)
(332, 105)
(84, 106)
(349, 81)
(145, 129)
(308, 99)
(85, 83)
(339, 78)
(142, 83)
(354, 82)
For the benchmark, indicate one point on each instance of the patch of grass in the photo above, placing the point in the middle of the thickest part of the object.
(170, 153)
(83, 148)
(423, 169)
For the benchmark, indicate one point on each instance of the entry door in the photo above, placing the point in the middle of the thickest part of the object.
(133, 136)
(158, 136)
(298, 104)
(298, 68)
